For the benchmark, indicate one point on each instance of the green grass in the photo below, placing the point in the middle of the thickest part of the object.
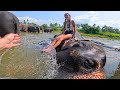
(58, 30)
(108, 35)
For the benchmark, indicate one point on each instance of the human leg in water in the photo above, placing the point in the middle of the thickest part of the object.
(57, 42)
(51, 46)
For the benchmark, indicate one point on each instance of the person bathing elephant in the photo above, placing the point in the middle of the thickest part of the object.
(80, 56)
(68, 32)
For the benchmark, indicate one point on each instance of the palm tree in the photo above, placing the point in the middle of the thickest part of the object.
(24, 22)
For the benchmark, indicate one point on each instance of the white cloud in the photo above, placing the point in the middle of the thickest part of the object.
(100, 18)
(30, 19)
(38, 21)
(92, 17)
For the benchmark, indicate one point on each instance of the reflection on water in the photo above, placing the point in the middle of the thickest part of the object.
(27, 61)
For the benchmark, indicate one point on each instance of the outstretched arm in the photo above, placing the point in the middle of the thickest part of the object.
(9, 41)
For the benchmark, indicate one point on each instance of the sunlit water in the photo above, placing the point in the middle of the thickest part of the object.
(27, 61)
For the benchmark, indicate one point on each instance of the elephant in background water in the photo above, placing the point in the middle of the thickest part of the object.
(23, 28)
(33, 29)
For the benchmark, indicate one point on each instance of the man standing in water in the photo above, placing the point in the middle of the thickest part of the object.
(69, 31)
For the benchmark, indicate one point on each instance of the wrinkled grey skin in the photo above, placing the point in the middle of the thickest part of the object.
(9, 23)
(82, 55)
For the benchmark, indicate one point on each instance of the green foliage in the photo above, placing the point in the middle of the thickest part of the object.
(24, 22)
(96, 29)
(58, 29)
(105, 31)
(44, 26)
(90, 29)
(78, 25)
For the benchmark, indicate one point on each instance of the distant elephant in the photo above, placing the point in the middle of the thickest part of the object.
(48, 30)
(9, 23)
(33, 29)
(23, 28)
(80, 55)
(41, 29)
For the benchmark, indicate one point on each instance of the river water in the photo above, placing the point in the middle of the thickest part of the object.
(27, 61)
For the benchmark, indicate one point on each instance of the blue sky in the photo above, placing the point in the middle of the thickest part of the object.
(101, 18)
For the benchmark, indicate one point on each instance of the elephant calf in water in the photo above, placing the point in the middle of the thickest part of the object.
(9, 23)
(82, 56)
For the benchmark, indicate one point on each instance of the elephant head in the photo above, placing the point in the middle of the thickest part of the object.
(83, 56)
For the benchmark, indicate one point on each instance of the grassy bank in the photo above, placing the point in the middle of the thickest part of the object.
(58, 30)
(108, 35)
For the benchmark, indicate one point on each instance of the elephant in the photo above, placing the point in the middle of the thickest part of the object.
(41, 29)
(23, 28)
(80, 55)
(9, 23)
(48, 30)
(33, 29)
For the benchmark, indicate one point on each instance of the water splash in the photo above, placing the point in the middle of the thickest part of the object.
(50, 59)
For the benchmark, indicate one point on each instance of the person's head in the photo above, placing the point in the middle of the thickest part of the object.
(67, 16)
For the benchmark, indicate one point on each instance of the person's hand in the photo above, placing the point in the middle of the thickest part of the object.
(9, 41)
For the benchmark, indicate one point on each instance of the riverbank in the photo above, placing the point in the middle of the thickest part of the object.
(110, 36)
(107, 35)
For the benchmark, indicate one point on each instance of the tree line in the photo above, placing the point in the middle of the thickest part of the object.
(85, 28)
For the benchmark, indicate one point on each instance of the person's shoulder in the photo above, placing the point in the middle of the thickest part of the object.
(73, 21)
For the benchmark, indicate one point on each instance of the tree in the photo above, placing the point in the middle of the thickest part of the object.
(51, 24)
(24, 22)
(56, 24)
(44, 26)
(27, 21)
(59, 25)
(78, 25)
